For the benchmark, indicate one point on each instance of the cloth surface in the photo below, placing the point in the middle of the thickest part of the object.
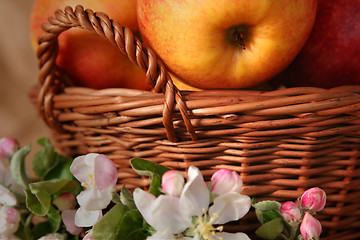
(18, 73)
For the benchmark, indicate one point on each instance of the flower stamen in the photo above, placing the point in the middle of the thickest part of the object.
(204, 226)
(91, 180)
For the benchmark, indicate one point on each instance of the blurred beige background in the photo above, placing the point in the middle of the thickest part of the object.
(18, 72)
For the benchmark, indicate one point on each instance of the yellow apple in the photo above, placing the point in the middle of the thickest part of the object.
(181, 85)
(90, 60)
(226, 43)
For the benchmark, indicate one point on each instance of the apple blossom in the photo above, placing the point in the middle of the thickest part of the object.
(9, 221)
(225, 181)
(171, 215)
(310, 227)
(313, 199)
(68, 218)
(86, 218)
(8, 146)
(98, 175)
(6, 197)
(172, 183)
(291, 212)
(7, 180)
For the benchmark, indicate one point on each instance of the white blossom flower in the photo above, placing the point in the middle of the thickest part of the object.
(171, 216)
(6, 197)
(7, 180)
(98, 175)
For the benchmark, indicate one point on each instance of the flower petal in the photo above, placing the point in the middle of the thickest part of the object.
(9, 220)
(195, 196)
(105, 174)
(143, 200)
(230, 207)
(82, 166)
(94, 199)
(68, 218)
(232, 236)
(162, 213)
(6, 197)
(84, 218)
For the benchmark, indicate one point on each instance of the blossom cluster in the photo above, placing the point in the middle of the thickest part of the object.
(9, 215)
(184, 211)
(312, 201)
(78, 198)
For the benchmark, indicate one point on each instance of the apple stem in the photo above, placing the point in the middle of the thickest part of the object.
(239, 38)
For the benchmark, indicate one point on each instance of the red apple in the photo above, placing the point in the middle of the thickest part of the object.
(90, 60)
(226, 43)
(331, 55)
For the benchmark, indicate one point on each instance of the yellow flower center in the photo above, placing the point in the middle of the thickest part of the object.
(204, 227)
(91, 181)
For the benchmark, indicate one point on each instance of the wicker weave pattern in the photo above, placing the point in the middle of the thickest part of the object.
(281, 142)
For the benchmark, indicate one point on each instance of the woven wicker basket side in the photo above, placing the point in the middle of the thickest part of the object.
(281, 142)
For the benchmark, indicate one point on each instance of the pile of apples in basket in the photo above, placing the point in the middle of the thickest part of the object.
(217, 44)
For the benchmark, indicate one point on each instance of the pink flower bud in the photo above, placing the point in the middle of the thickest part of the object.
(290, 211)
(68, 218)
(8, 146)
(65, 201)
(313, 199)
(226, 181)
(172, 183)
(310, 227)
(9, 220)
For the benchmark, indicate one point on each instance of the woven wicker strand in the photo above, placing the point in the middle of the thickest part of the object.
(281, 142)
(124, 40)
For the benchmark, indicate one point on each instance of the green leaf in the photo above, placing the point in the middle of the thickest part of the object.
(270, 215)
(24, 231)
(131, 227)
(62, 170)
(54, 220)
(17, 166)
(44, 160)
(267, 205)
(107, 227)
(154, 171)
(127, 198)
(147, 168)
(271, 230)
(38, 198)
(155, 185)
(265, 209)
(27, 226)
(34, 205)
(53, 186)
(41, 229)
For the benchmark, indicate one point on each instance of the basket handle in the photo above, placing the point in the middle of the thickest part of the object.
(122, 38)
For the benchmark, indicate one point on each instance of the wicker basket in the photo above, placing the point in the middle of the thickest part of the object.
(281, 142)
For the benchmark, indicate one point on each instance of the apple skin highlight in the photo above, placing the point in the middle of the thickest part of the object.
(192, 38)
